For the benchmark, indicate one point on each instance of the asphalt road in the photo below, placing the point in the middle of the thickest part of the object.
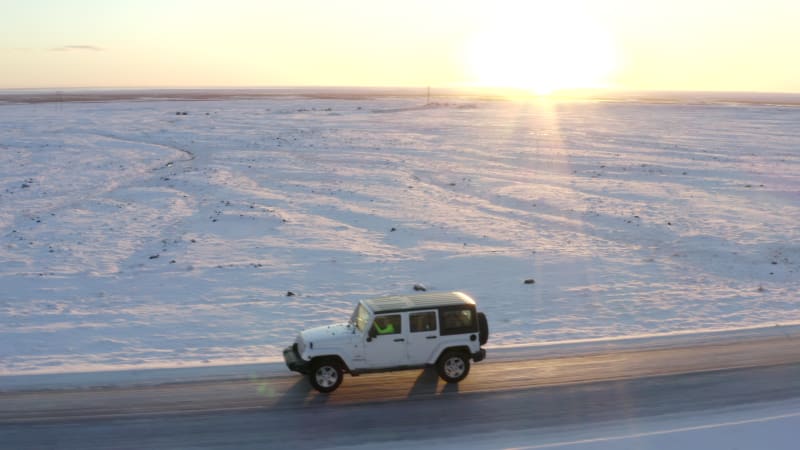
(498, 395)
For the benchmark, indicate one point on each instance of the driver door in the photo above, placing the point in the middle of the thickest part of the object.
(386, 343)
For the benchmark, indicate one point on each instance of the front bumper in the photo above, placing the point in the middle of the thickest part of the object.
(293, 360)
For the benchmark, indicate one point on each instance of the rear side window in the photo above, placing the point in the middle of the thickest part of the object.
(457, 320)
(422, 321)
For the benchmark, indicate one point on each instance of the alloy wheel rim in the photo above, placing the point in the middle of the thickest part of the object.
(327, 376)
(454, 367)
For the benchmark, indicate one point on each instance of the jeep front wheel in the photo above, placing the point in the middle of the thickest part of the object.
(453, 366)
(326, 375)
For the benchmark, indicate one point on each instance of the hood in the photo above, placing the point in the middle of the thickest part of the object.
(327, 335)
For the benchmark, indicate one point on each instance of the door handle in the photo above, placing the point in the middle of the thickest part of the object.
(399, 340)
(431, 337)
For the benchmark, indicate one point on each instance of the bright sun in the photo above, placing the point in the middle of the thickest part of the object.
(541, 48)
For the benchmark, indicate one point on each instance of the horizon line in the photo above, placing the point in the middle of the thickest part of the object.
(76, 94)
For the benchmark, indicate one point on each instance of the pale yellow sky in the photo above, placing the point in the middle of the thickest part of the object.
(542, 46)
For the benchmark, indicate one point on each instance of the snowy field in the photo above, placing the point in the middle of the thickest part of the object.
(152, 233)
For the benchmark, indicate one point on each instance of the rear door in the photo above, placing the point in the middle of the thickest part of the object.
(423, 336)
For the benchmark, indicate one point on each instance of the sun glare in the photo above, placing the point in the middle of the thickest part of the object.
(541, 49)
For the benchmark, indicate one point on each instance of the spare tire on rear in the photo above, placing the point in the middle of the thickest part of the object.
(483, 328)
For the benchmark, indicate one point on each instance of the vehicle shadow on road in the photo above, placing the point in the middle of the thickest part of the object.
(450, 388)
(298, 396)
(427, 384)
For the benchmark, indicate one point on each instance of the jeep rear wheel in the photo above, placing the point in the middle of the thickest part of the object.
(453, 366)
(326, 375)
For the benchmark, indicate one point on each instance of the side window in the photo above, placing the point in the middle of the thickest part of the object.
(422, 321)
(388, 324)
(457, 320)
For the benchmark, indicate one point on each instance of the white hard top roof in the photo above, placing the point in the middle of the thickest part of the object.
(417, 301)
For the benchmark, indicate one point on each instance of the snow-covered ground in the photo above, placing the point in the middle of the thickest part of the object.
(151, 233)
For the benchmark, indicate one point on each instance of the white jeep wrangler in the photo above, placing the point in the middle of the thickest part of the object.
(394, 333)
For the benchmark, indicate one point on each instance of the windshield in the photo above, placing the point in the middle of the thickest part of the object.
(360, 318)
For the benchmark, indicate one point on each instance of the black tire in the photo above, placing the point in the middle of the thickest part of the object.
(483, 328)
(453, 366)
(326, 375)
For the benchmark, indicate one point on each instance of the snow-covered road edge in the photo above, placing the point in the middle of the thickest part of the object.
(126, 377)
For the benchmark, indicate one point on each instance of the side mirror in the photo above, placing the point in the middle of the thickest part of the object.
(372, 333)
